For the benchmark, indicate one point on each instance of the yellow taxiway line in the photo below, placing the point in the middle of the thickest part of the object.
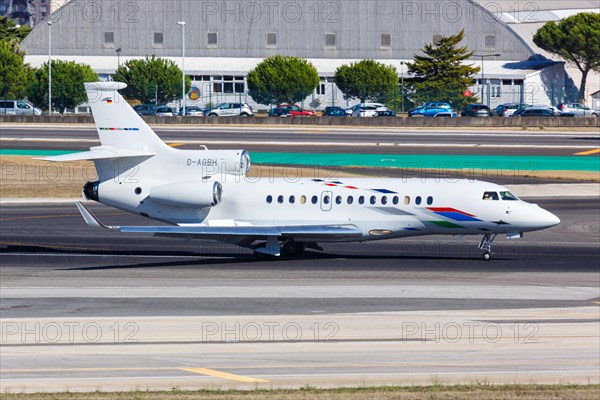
(224, 375)
(588, 152)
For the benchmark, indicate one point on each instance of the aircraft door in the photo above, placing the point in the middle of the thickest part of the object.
(326, 200)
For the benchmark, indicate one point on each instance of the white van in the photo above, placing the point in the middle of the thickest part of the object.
(18, 107)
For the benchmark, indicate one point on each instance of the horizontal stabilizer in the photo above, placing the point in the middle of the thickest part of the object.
(99, 153)
(308, 232)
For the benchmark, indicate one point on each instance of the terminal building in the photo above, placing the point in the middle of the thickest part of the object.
(225, 39)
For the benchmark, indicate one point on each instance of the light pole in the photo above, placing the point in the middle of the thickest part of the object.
(482, 56)
(402, 77)
(49, 67)
(118, 57)
(182, 23)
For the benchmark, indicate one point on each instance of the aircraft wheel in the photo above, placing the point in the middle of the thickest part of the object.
(487, 256)
(292, 249)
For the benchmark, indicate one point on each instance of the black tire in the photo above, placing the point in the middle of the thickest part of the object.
(292, 249)
(245, 114)
(487, 256)
(212, 115)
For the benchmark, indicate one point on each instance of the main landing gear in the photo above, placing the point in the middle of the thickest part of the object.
(486, 245)
(289, 248)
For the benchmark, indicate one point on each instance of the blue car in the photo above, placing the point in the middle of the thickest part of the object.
(435, 109)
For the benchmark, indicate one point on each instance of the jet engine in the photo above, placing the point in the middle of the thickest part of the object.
(193, 194)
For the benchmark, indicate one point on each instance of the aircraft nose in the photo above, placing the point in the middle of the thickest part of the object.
(545, 219)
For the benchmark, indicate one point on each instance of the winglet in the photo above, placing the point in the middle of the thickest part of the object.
(90, 219)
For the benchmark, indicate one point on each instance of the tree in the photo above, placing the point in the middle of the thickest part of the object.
(282, 79)
(151, 79)
(68, 90)
(16, 75)
(367, 80)
(577, 40)
(10, 33)
(440, 74)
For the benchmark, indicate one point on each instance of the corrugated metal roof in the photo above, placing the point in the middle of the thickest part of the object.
(519, 17)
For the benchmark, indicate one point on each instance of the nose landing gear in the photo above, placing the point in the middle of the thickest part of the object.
(486, 245)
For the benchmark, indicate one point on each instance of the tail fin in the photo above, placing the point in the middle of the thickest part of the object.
(118, 125)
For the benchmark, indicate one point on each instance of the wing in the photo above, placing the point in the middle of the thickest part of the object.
(298, 232)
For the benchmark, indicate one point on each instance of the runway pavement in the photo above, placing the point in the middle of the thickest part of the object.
(323, 139)
(85, 310)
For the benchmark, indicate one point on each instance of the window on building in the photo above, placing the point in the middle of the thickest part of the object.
(212, 38)
(321, 89)
(109, 37)
(330, 39)
(490, 41)
(271, 39)
(239, 88)
(217, 87)
(158, 38)
(386, 40)
(228, 87)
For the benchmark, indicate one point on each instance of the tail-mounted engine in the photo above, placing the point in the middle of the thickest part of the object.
(194, 194)
(90, 190)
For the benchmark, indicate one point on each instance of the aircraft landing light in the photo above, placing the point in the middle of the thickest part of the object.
(224, 375)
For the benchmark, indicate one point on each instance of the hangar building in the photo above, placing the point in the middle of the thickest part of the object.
(227, 38)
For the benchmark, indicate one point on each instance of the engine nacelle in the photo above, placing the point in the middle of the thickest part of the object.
(193, 194)
(213, 162)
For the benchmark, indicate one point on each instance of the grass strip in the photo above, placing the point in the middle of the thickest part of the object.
(476, 391)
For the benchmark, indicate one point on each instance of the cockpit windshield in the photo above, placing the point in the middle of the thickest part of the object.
(508, 196)
(490, 196)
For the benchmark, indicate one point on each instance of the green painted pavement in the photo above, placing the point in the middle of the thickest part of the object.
(429, 161)
(406, 161)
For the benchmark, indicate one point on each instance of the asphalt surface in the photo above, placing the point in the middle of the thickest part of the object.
(322, 139)
(49, 245)
(93, 310)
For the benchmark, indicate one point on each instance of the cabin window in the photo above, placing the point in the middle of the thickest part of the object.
(292, 199)
(429, 200)
(395, 200)
(350, 200)
(314, 200)
(325, 199)
(406, 199)
(384, 200)
(302, 199)
(418, 200)
(269, 199)
(338, 200)
(373, 200)
(361, 200)
(490, 196)
(508, 196)
(280, 199)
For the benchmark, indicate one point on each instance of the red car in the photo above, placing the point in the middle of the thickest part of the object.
(295, 111)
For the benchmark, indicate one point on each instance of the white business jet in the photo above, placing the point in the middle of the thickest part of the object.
(206, 194)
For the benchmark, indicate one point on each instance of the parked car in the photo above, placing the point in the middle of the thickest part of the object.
(350, 111)
(18, 107)
(537, 111)
(508, 109)
(577, 109)
(334, 112)
(192, 111)
(230, 109)
(297, 111)
(385, 113)
(145, 109)
(164, 111)
(476, 110)
(434, 109)
(279, 112)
